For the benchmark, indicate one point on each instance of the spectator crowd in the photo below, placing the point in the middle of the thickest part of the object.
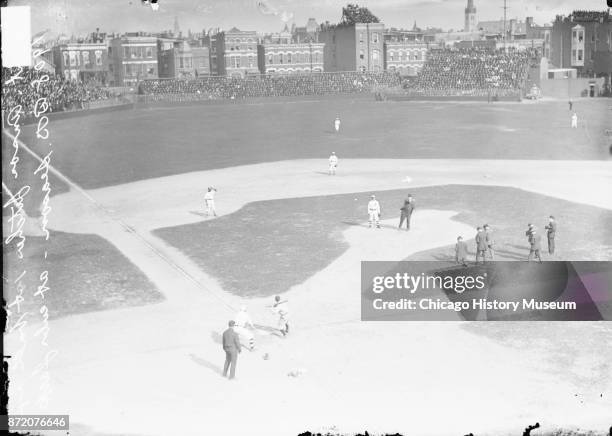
(472, 71)
(61, 94)
(216, 88)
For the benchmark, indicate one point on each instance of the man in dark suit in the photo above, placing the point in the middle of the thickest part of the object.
(528, 232)
(231, 346)
(534, 249)
(481, 244)
(407, 210)
(551, 231)
(461, 251)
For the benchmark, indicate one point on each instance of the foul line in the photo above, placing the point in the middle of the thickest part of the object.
(126, 227)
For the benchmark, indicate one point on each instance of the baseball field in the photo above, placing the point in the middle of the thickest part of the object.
(142, 282)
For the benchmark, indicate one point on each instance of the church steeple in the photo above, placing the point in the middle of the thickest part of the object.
(470, 17)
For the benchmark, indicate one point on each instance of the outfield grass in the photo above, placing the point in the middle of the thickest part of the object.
(267, 247)
(124, 146)
(85, 273)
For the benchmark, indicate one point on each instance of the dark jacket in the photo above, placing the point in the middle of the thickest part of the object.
(231, 340)
(481, 241)
(408, 207)
(461, 250)
(551, 229)
(534, 241)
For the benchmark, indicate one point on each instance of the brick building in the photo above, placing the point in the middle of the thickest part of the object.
(354, 47)
(85, 60)
(290, 58)
(583, 40)
(405, 57)
(280, 54)
(234, 53)
(133, 57)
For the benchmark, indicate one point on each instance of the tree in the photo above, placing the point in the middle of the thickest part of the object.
(352, 14)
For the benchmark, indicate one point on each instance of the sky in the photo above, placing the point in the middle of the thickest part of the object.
(81, 17)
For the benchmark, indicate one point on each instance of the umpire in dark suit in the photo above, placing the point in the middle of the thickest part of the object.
(551, 231)
(231, 346)
(534, 246)
(407, 210)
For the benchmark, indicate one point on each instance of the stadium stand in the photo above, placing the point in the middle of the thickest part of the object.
(475, 72)
(216, 88)
(61, 94)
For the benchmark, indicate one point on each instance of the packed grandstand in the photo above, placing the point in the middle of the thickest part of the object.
(24, 87)
(272, 85)
(471, 71)
(446, 72)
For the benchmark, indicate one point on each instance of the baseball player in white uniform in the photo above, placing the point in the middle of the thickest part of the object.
(209, 199)
(337, 124)
(374, 211)
(243, 320)
(281, 308)
(574, 120)
(333, 164)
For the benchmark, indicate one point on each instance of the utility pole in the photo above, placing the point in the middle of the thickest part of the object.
(505, 32)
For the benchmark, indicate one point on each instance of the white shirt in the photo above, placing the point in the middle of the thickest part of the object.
(210, 195)
(374, 206)
(282, 309)
(333, 159)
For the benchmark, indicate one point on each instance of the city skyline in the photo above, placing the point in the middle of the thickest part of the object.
(80, 17)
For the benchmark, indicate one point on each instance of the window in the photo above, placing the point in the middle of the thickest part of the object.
(237, 61)
(580, 36)
(280, 58)
(361, 54)
(288, 58)
(270, 59)
(126, 52)
(86, 59)
(404, 56)
(98, 57)
(360, 37)
(375, 55)
(72, 59)
(251, 61)
(580, 55)
(574, 34)
(574, 54)
(66, 58)
(181, 63)
(375, 37)
(391, 56)
(149, 52)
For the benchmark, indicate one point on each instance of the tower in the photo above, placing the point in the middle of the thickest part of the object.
(176, 26)
(470, 17)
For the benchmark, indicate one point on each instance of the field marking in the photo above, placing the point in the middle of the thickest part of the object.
(130, 230)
